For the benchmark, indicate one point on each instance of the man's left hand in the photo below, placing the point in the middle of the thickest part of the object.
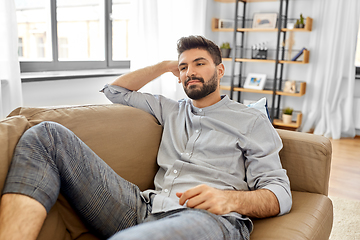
(208, 198)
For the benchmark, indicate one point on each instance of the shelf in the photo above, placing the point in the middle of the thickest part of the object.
(232, 1)
(307, 28)
(305, 60)
(301, 92)
(295, 125)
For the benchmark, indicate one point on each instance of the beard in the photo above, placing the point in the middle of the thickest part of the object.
(207, 88)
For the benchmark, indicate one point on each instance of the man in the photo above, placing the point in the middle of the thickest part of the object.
(213, 151)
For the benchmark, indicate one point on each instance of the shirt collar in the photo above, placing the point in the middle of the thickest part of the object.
(224, 100)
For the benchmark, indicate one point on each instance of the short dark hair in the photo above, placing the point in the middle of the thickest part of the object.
(191, 42)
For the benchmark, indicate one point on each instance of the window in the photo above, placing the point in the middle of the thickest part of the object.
(72, 34)
(63, 48)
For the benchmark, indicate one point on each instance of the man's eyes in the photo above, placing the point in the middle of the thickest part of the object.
(185, 67)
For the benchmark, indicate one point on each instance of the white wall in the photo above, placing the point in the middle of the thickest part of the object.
(65, 92)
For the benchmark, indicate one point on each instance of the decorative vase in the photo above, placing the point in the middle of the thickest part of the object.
(225, 52)
(287, 118)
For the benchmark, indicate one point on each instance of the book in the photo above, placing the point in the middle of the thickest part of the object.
(298, 54)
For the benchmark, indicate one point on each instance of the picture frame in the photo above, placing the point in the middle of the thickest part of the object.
(255, 81)
(264, 20)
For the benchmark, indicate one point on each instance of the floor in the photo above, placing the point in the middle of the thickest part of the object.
(345, 169)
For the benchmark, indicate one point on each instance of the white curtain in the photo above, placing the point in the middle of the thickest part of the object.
(156, 25)
(328, 106)
(10, 90)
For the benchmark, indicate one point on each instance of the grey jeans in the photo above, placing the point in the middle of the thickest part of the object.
(49, 158)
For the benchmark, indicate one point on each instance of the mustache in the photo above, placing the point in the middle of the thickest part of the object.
(200, 79)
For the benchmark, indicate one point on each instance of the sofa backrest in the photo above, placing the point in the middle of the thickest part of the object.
(114, 132)
(119, 132)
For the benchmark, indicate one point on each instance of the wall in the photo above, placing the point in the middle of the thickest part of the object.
(65, 92)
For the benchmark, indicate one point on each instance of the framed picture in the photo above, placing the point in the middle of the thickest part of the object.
(264, 20)
(255, 81)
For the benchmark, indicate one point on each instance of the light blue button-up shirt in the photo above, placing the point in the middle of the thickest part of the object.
(226, 146)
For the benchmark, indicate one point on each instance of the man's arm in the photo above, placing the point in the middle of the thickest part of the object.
(260, 203)
(139, 78)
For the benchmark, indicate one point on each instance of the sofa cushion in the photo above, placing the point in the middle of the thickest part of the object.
(11, 129)
(126, 138)
(311, 217)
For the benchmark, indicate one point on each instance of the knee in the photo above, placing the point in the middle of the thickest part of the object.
(48, 126)
(45, 128)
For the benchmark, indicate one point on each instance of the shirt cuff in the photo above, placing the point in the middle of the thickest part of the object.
(283, 196)
(114, 89)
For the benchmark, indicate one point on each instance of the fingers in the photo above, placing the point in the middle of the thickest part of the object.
(206, 198)
(195, 195)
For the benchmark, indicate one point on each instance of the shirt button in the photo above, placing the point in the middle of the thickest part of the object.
(197, 131)
(175, 171)
(200, 110)
(166, 190)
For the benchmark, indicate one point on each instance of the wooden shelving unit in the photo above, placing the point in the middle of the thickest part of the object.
(295, 125)
(308, 27)
(276, 93)
(301, 92)
(232, 1)
(306, 56)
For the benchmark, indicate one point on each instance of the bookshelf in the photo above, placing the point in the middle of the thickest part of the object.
(279, 62)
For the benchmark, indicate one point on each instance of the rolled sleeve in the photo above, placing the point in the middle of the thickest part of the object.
(263, 166)
(283, 196)
(156, 105)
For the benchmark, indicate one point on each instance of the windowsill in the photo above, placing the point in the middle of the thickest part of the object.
(66, 75)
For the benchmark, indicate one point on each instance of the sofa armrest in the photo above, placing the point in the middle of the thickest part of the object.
(307, 159)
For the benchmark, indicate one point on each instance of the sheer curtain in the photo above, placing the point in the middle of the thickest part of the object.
(156, 25)
(10, 88)
(328, 106)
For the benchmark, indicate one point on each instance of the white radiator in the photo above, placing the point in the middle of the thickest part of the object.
(357, 112)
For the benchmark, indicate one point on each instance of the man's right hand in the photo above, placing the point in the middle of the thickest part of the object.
(174, 68)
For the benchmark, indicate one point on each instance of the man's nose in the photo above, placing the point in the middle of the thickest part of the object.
(190, 72)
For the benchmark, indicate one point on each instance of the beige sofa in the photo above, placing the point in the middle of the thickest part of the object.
(128, 139)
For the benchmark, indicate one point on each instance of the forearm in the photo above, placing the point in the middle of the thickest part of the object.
(259, 203)
(139, 78)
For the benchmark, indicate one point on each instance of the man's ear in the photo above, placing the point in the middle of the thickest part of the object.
(220, 70)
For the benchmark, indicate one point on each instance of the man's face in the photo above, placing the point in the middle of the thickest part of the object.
(198, 73)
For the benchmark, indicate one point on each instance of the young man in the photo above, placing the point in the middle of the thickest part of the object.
(218, 159)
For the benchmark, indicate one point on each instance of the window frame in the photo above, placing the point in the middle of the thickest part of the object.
(56, 65)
